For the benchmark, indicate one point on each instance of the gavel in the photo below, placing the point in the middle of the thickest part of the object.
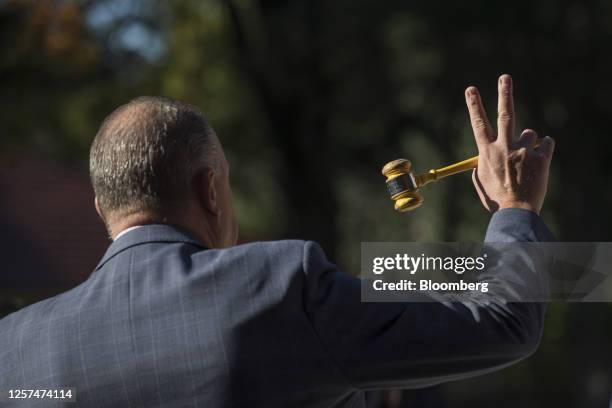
(403, 185)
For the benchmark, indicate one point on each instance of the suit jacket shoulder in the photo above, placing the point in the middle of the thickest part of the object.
(163, 321)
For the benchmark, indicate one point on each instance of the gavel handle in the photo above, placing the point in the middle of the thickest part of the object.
(460, 167)
(437, 174)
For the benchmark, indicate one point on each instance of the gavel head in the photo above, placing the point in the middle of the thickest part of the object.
(401, 185)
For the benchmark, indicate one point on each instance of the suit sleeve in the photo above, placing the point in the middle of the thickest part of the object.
(418, 344)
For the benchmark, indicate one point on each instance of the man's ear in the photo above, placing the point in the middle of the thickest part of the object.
(206, 190)
(98, 210)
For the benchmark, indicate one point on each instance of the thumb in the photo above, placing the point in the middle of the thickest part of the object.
(484, 198)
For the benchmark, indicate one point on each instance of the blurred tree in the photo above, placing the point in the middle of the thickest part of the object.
(311, 98)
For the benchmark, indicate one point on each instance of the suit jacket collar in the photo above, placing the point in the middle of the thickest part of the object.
(146, 234)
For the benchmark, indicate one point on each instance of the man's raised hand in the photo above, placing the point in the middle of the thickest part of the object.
(511, 172)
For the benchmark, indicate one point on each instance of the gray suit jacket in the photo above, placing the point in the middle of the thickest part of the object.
(165, 322)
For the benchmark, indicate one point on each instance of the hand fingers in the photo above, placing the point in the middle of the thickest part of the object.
(505, 110)
(528, 139)
(546, 148)
(483, 133)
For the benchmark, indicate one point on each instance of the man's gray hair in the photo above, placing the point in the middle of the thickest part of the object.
(145, 154)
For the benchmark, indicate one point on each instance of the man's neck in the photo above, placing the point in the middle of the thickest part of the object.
(126, 230)
(193, 226)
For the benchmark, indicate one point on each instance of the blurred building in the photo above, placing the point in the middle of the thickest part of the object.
(51, 238)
